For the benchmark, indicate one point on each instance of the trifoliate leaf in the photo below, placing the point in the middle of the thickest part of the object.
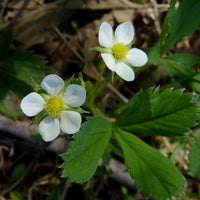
(153, 173)
(181, 67)
(194, 158)
(85, 151)
(169, 113)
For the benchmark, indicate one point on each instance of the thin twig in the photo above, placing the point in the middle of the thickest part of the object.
(67, 43)
(165, 141)
(116, 92)
(20, 179)
(156, 14)
(3, 8)
(19, 14)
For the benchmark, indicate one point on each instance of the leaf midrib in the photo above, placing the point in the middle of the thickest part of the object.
(158, 117)
(140, 158)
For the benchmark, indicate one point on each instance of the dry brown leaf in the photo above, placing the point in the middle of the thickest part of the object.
(123, 15)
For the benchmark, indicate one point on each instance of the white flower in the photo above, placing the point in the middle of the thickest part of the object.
(117, 54)
(59, 106)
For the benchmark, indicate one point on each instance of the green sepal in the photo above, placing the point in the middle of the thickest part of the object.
(101, 49)
(79, 80)
(77, 109)
(39, 117)
(73, 80)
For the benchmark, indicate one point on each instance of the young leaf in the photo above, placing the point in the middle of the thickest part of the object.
(194, 158)
(184, 22)
(85, 151)
(169, 113)
(181, 67)
(153, 173)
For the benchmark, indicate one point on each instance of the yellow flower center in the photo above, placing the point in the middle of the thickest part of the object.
(54, 106)
(119, 51)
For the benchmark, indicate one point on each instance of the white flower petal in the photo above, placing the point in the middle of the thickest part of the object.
(105, 35)
(137, 57)
(70, 122)
(109, 61)
(125, 33)
(125, 72)
(52, 84)
(74, 95)
(32, 104)
(49, 128)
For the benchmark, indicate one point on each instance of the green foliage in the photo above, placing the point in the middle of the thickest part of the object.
(165, 28)
(74, 24)
(181, 67)
(153, 173)
(6, 40)
(9, 82)
(183, 22)
(14, 195)
(194, 158)
(26, 66)
(55, 194)
(9, 105)
(106, 156)
(154, 54)
(10, 85)
(18, 171)
(169, 113)
(85, 151)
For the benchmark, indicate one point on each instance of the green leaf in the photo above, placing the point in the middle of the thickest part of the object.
(194, 158)
(57, 190)
(15, 195)
(115, 148)
(154, 54)
(17, 172)
(85, 151)
(172, 11)
(169, 113)
(6, 40)
(165, 28)
(10, 82)
(27, 66)
(183, 22)
(9, 105)
(153, 173)
(181, 67)
(106, 156)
